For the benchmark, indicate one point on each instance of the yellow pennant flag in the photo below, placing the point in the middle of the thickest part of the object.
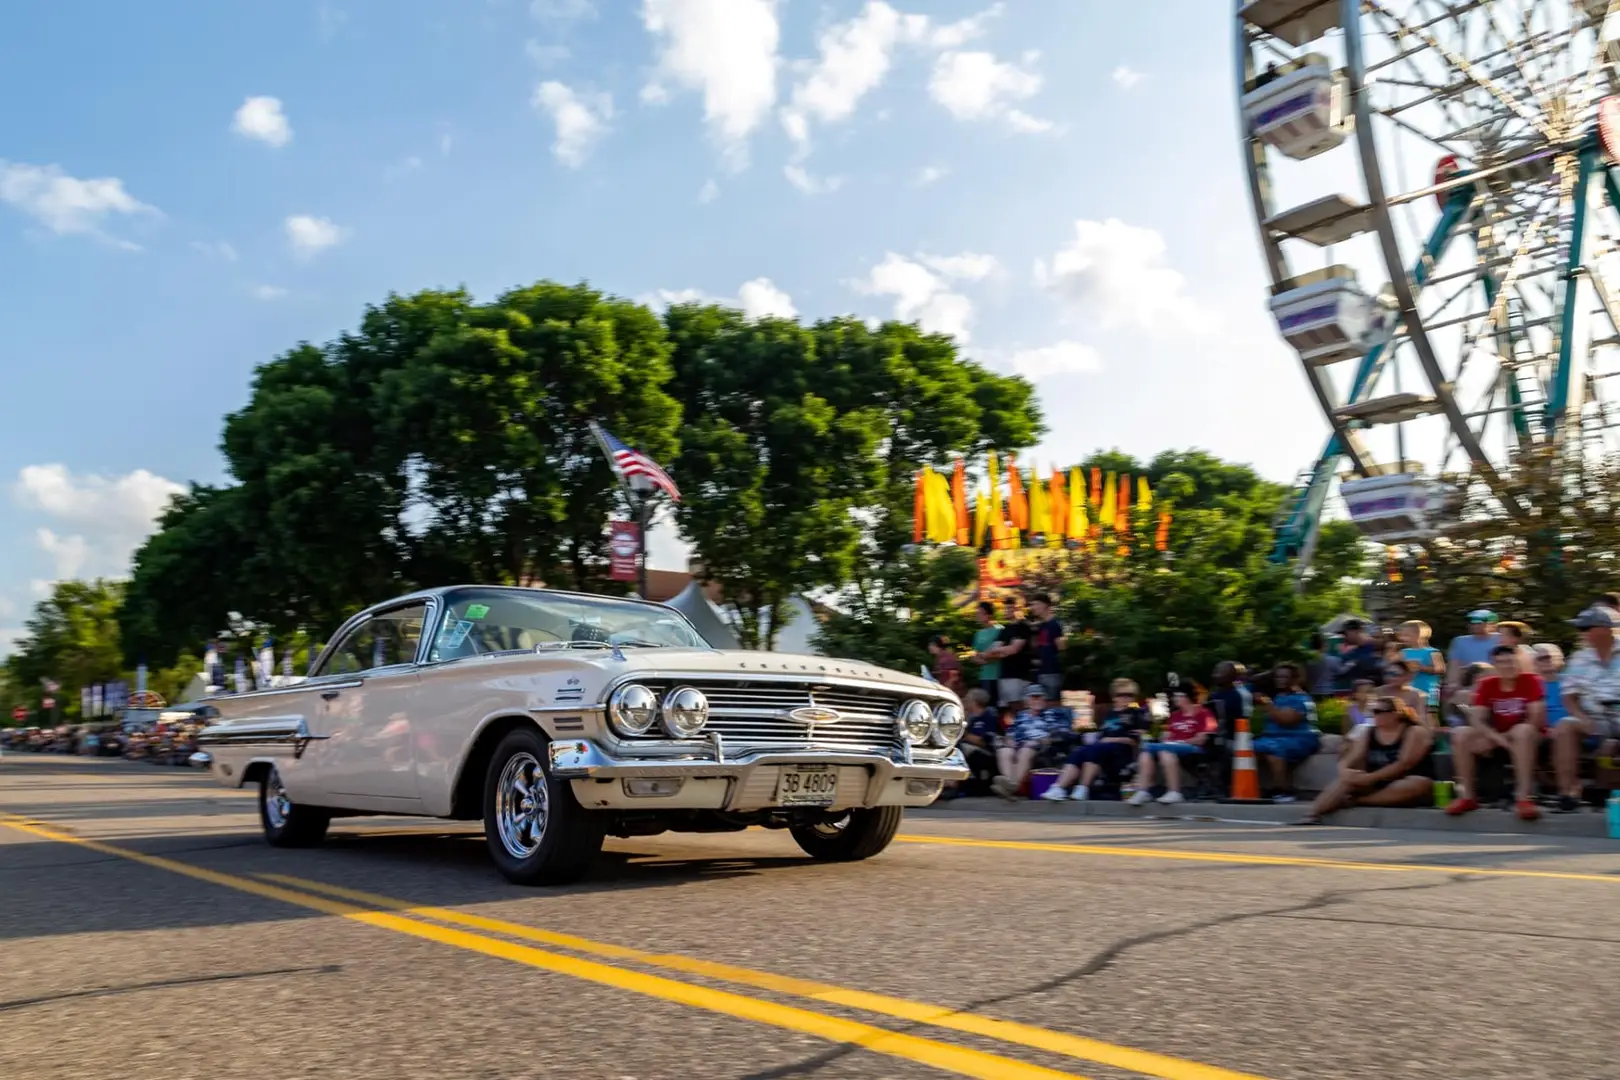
(1144, 494)
(1106, 514)
(1040, 511)
(981, 516)
(943, 513)
(1079, 526)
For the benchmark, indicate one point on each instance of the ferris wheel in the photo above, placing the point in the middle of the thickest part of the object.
(1434, 187)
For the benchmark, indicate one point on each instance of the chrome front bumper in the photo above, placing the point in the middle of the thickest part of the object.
(745, 780)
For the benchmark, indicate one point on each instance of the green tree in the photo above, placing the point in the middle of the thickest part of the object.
(71, 639)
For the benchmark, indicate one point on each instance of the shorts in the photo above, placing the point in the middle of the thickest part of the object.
(1111, 757)
(1293, 749)
(1011, 691)
(1180, 749)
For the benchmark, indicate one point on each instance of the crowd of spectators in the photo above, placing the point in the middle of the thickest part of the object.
(1492, 708)
(161, 744)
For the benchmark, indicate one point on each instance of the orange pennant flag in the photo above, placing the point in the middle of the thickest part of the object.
(1122, 505)
(1096, 488)
(1058, 502)
(1161, 541)
(919, 507)
(959, 501)
(1017, 504)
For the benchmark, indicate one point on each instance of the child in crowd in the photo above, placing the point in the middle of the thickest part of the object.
(1186, 731)
(1111, 751)
(1359, 710)
(1428, 663)
(978, 744)
(1290, 734)
(1036, 727)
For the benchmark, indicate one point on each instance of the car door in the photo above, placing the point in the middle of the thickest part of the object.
(369, 682)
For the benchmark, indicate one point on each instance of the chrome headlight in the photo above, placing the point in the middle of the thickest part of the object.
(633, 708)
(949, 723)
(685, 712)
(915, 722)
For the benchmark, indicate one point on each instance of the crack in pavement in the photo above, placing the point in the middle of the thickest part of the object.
(1106, 958)
(165, 984)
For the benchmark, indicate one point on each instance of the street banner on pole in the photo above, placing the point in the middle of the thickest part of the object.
(624, 546)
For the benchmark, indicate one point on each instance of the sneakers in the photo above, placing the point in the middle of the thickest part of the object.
(1527, 810)
(1283, 799)
(1170, 798)
(1004, 787)
(1141, 798)
(1464, 805)
(1079, 794)
(1568, 804)
(1054, 794)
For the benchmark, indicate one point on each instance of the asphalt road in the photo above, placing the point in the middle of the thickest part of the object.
(147, 932)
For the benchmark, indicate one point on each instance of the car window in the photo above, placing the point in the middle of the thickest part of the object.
(484, 620)
(387, 638)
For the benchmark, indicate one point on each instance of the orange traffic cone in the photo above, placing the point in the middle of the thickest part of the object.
(1245, 776)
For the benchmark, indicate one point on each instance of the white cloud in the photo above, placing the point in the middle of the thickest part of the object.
(725, 49)
(922, 290)
(760, 298)
(309, 235)
(261, 118)
(800, 178)
(977, 86)
(8, 607)
(1125, 77)
(931, 174)
(581, 120)
(109, 516)
(955, 35)
(1118, 276)
(446, 141)
(268, 292)
(221, 250)
(709, 192)
(1048, 361)
(757, 299)
(65, 204)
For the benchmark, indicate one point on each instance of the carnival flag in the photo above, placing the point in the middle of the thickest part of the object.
(1059, 509)
(1122, 508)
(1161, 539)
(1096, 487)
(1144, 494)
(959, 501)
(1017, 504)
(981, 517)
(919, 509)
(1106, 514)
(1040, 511)
(1079, 526)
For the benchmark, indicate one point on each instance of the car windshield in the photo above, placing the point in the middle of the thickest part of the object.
(479, 621)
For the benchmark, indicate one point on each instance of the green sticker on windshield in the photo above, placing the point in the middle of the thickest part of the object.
(477, 611)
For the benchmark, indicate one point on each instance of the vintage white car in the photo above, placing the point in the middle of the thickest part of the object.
(559, 718)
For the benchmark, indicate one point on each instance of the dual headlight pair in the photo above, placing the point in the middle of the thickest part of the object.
(633, 709)
(942, 725)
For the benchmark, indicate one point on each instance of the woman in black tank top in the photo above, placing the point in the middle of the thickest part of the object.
(1388, 764)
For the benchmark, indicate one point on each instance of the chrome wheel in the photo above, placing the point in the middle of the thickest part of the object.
(832, 829)
(277, 806)
(522, 805)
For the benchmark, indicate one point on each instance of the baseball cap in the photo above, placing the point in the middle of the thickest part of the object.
(1481, 615)
(1034, 692)
(1593, 618)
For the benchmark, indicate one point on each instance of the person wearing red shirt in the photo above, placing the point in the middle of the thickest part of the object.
(1508, 720)
(1186, 731)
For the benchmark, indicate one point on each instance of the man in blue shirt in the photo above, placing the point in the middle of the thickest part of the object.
(1037, 726)
(1474, 647)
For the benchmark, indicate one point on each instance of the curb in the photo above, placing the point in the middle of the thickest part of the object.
(1586, 824)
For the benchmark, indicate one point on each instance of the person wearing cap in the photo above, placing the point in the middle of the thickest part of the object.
(1474, 647)
(1591, 693)
(1507, 723)
(1359, 656)
(1036, 727)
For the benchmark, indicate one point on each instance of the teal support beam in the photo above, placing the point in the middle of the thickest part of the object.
(1521, 418)
(1574, 267)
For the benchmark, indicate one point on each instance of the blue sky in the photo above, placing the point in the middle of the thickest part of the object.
(194, 188)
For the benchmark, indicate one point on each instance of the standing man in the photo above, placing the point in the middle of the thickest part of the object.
(1474, 647)
(984, 641)
(1359, 656)
(1591, 689)
(1049, 641)
(1013, 651)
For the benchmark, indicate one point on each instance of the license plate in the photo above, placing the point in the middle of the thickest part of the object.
(807, 785)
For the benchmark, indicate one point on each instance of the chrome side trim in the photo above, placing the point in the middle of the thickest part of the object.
(275, 731)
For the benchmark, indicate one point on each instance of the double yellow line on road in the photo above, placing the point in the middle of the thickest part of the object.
(444, 926)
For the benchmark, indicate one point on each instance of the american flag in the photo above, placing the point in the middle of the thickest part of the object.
(629, 463)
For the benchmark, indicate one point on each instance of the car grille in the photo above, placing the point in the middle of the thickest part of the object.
(755, 714)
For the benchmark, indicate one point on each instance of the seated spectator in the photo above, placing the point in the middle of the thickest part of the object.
(1389, 766)
(1428, 663)
(1036, 727)
(1111, 751)
(1459, 707)
(1590, 689)
(1517, 634)
(1186, 731)
(1398, 684)
(1289, 736)
(979, 742)
(1506, 722)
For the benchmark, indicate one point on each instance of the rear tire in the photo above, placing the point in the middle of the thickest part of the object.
(859, 835)
(537, 832)
(287, 824)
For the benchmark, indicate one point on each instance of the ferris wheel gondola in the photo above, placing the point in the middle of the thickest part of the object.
(1484, 134)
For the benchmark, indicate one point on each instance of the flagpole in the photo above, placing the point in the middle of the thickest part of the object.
(640, 506)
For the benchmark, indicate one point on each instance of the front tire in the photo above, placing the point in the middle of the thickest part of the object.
(858, 835)
(537, 832)
(287, 824)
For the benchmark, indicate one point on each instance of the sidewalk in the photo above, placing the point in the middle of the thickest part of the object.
(1588, 823)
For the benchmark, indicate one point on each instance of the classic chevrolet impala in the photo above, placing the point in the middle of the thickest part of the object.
(560, 718)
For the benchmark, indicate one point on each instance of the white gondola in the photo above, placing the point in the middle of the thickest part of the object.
(1398, 509)
(1327, 317)
(1300, 108)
